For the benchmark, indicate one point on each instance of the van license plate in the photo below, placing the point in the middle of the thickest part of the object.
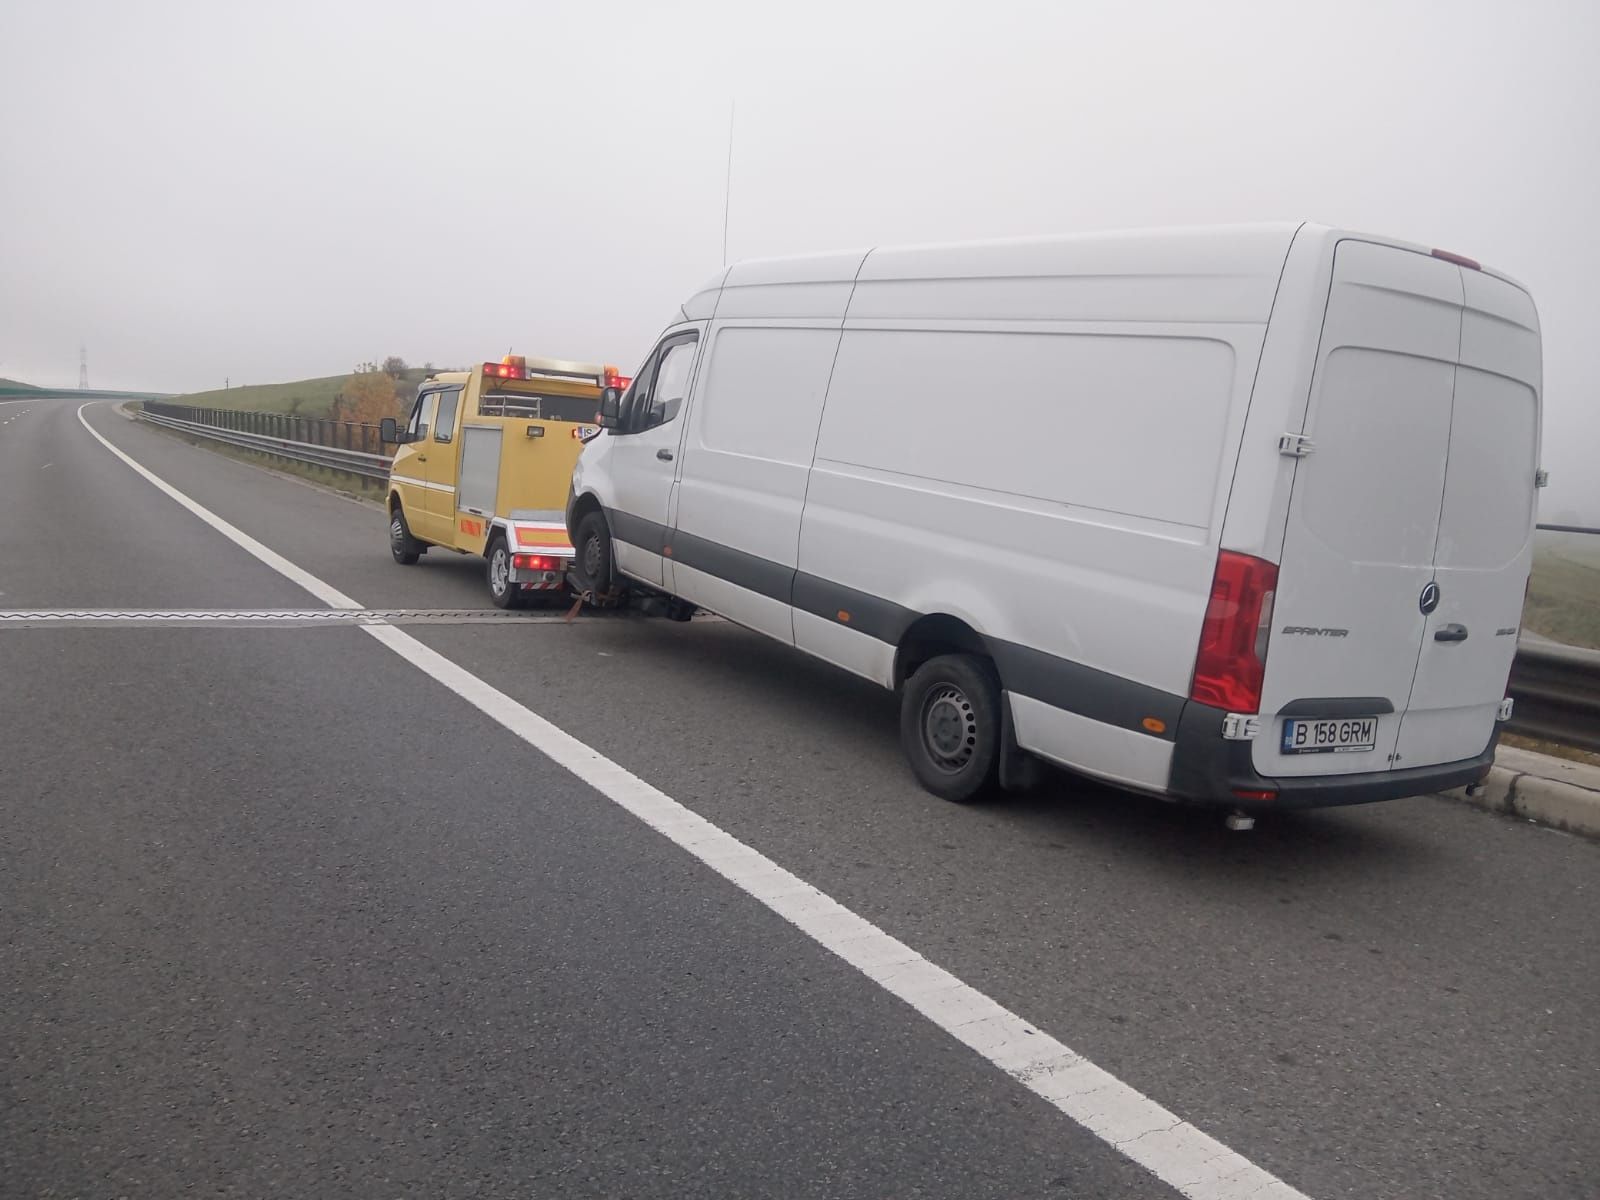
(1344, 736)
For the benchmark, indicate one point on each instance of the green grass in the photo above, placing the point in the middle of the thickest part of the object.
(1564, 593)
(303, 397)
(16, 383)
(1554, 749)
(306, 397)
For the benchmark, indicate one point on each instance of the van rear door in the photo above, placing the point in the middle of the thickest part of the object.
(1363, 516)
(1485, 545)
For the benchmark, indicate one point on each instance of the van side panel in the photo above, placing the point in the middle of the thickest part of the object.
(1089, 416)
(745, 456)
(1055, 486)
(1258, 497)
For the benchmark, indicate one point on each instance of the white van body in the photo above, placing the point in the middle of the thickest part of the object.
(1040, 451)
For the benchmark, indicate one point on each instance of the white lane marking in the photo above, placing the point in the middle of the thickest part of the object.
(1170, 1148)
(327, 593)
(270, 616)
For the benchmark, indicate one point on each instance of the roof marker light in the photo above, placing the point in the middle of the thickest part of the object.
(1460, 260)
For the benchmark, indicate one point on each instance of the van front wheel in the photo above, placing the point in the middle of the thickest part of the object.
(950, 726)
(405, 548)
(591, 564)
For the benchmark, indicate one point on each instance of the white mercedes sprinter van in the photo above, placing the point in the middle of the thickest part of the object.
(1237, 515)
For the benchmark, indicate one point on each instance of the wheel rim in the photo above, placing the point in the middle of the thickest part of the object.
(591, 558)
(949, 728)
(397, 531)
(499, 571)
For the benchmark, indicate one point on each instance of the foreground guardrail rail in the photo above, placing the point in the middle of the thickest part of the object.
(346, 446)
(1556, 686)
(1557, 694)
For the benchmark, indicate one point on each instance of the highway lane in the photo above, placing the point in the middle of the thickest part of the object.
(1391, 1001)
(70, 520)
(284, 917)
(251, 951)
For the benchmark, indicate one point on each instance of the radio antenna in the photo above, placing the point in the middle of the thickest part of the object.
(727, 190)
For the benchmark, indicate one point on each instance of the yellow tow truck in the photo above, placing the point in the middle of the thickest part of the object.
(484, 463)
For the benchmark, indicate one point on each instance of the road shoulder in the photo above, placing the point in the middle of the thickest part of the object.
(1537, 787)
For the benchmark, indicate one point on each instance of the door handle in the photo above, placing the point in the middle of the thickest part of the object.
(1451, 633)
(422, 458)
(664, 455)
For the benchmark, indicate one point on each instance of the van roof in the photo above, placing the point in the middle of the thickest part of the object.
(1213, 250)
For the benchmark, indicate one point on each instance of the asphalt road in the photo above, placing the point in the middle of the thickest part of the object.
(284, 916)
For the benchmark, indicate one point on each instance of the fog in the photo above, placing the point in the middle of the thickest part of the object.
(200, 192)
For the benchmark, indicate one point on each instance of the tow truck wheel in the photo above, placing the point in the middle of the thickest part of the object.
(502, 591)
(591, 567)
(402, 545)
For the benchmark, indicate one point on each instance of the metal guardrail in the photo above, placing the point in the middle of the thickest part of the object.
(348, 446)
(1557, 694)
(1556, 687)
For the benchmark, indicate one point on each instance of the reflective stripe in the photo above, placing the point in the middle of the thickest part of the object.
(422, 483)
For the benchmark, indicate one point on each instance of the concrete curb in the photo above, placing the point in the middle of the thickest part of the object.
(1536, 787)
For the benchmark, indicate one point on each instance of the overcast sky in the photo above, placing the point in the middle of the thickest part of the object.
(270, 191)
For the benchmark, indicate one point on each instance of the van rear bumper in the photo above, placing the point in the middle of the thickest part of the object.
(1207, 769)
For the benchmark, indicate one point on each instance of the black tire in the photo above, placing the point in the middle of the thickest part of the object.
(591, 563)
(679, 609)
(405, 548)
(950, 727)
(502, 591)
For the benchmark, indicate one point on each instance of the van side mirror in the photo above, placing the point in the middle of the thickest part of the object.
(389, 431)
(610, 408)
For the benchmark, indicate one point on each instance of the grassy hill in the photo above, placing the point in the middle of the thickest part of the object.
(1564, 593)
(307, 397)
(17, 383)
(303, 397)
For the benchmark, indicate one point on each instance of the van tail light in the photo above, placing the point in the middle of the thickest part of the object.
(1233, 641)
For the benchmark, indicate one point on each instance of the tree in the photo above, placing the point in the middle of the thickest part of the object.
(368, 396)
(394, 367)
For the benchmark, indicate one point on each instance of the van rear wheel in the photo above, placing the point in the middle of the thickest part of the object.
(950, 727)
